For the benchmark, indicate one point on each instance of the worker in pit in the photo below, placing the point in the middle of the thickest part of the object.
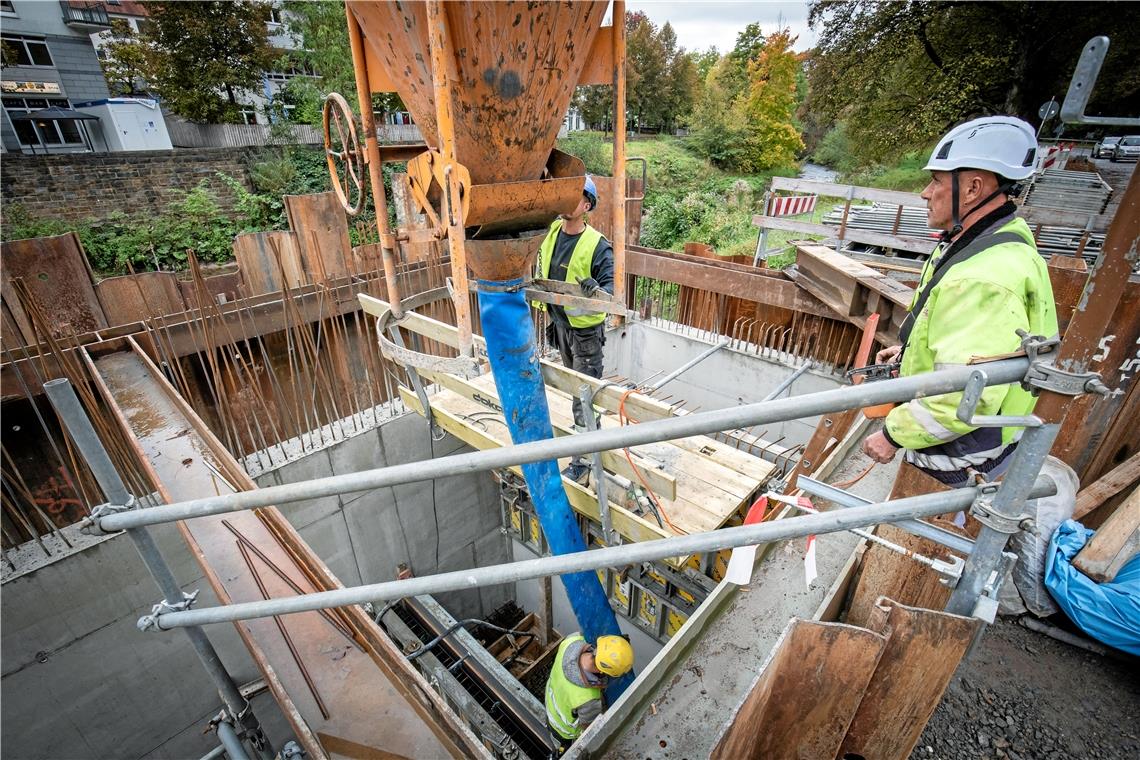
(983, 282)
(574, 691)
(576, 253)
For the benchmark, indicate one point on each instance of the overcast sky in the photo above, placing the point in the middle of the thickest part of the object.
(700, 25)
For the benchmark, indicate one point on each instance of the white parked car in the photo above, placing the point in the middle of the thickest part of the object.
(1104, 148)
(1128, 149)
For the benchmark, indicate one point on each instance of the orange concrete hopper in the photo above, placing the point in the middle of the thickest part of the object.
(511, 69)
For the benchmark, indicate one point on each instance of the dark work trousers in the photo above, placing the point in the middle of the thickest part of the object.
(581, 349)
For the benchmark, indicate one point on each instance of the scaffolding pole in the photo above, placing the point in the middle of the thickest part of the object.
(75, 419)
(593, 559)
(765, 412)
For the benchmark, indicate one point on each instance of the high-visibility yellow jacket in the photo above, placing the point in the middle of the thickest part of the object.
(974, 310)
(566, 700)
(581, 261)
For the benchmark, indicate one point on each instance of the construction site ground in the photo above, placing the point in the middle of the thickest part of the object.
(1024, 696)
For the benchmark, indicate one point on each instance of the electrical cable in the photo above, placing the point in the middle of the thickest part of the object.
(624, 419)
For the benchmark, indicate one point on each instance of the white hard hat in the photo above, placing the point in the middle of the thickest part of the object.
(1000, 144)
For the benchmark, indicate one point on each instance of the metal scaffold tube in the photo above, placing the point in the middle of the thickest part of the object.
(616, 556)
(700, 423)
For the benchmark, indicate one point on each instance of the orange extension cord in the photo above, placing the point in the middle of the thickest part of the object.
(624, 419)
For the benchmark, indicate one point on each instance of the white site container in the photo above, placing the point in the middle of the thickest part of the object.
(126, 124)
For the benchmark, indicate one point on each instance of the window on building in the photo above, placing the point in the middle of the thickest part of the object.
(24, 51)
(275, 15)
(7, 7)
(248, 113)
(51, 132)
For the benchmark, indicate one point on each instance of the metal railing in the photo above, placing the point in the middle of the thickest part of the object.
(997, 506)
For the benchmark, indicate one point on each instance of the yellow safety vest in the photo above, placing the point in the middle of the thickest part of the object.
(564, 697)
(581, 262)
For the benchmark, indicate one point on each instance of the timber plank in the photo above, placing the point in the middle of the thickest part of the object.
(449, 416)
(1121, 477)
(139, 297)
(922, 652)
(482, 390)
(1115, 542)
(800, 705)
(56, 271)
(722, 277)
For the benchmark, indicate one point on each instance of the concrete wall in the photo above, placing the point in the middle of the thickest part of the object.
(85, 186)
(78, 679)
(441, 525)
(729, 377)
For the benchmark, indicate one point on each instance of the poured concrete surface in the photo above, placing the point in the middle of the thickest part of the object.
(690, 699)
(79, 680)
(730, 377)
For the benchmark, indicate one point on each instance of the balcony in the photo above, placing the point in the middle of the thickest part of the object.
(87, 16)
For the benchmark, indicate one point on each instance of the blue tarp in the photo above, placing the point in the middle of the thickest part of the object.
(1109, 612)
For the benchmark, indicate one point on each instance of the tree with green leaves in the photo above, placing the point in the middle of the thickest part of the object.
(319, 29)
(899, 74)
(124, 61)
(201, 55)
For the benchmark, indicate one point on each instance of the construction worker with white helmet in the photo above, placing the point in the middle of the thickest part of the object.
(576, 253)
(984, 281)
(578, 678)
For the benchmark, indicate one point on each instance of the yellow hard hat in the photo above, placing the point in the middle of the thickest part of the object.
(613, 655)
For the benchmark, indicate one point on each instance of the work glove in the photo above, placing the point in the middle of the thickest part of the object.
(589, 286)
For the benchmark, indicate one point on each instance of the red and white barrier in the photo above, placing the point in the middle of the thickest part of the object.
(791, 205)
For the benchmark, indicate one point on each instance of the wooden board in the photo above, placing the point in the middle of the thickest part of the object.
(887, 573)
(257, 258)
(922, 652)
(1118, 479)
(800, 705)
(139, 297)
(1115, 542)
(56, 271)
(725, 278)
(482, 390)
(584, 501)
(852, 290)
(708, 493)
(321, 231)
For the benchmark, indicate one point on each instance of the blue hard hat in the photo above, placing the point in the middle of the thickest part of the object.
(591, 192)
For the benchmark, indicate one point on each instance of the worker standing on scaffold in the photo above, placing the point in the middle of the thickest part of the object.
(576, 253)
(578, 678)
(983, 282)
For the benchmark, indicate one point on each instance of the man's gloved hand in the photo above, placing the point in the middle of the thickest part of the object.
(589, 286)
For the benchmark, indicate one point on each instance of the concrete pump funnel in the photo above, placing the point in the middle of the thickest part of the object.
(517, 65)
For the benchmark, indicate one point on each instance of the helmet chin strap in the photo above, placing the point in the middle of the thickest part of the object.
(956, 222)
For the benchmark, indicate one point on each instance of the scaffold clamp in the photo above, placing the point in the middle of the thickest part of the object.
(151, 622)
(1043, 375)
(90, 525)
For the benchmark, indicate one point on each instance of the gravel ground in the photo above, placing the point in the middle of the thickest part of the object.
(1024, 696)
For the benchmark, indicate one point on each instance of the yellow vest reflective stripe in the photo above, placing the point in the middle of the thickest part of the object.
(564, 697)
(581, 262)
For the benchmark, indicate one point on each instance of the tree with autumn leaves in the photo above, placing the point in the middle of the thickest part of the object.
(746, 120)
